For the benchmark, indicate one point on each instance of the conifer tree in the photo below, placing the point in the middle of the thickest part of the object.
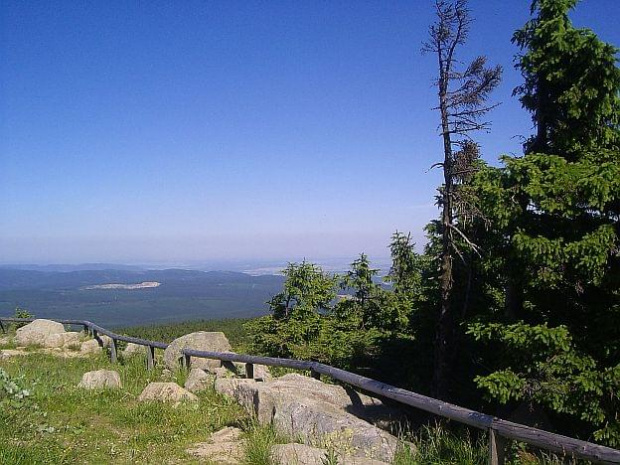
(558, 210)
(463, 95)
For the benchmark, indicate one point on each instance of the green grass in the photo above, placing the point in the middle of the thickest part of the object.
(60, 423)
(436, 445)
(260, 440)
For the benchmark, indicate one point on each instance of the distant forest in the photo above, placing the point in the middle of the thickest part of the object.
(183, 295)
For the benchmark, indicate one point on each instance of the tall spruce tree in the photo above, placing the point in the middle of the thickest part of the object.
(570, 83)
(463, 95)
(360, 278)
(557, 209)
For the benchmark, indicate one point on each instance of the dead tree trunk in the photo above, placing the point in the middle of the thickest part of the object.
(461, 109)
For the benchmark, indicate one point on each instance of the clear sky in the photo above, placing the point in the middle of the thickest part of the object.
(162, 131)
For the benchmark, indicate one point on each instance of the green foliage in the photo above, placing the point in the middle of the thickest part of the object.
(300, 324)
(308, 291)
(322, 339)
(260, 440)
(552, 336)
(12, 393)
(21, 313)
(405, 273)
(561, 215)
(365, 303)
(571, 82)
(436, 445)
(546, 368)
(307, 322)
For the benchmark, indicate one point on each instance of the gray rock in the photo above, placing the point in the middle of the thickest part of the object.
(321, 424)
(207, 341)
(360, 405)
(225, 447)
(90, 347)
(237, 370)
(297, 454)
(134, 349)
(301, 454)
(221, 372)
(36, 332)
(101, 379)
(198, 380)
(228, 387)
(106, 341)
(319, 414)
(359, 461)
(72, 339)
(62, 340)
(53, 341)
(166, 392)
(262, 373)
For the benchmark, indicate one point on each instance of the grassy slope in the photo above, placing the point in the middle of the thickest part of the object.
(60, 423)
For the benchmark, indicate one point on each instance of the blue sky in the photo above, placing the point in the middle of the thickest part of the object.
(173, 131)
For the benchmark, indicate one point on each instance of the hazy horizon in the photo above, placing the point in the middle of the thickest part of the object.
(44, 250)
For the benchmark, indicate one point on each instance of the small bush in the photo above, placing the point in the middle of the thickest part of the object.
(21, 313)
(12, 393)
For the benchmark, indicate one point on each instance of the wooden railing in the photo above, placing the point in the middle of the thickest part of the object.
(499, 430)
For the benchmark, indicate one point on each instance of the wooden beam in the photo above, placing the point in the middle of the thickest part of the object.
(150, 357)
(114, 351)
(496, 448)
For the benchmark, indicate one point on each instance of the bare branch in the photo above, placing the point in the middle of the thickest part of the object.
(473, 246)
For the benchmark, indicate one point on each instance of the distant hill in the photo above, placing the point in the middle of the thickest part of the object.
(182, 295)
(80, 267)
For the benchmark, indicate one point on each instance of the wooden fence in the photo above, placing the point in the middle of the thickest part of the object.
(499, 430)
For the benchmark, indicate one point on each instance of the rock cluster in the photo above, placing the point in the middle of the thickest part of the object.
(52, 335)
(321, 415)
(330, 420)
(45, 333)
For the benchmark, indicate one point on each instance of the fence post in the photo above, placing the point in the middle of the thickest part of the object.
(86, 329)
(249, 370)
(96, 338)
(188, 361)
(113, 351)
(150, 357)
(496, 448)
(315, 374)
